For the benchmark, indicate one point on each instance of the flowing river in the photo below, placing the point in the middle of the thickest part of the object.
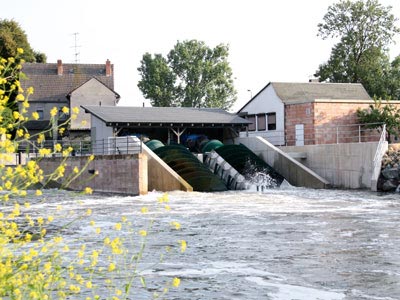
(279, 244)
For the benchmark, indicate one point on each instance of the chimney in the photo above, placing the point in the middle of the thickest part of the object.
(108, 68)
(59, 67)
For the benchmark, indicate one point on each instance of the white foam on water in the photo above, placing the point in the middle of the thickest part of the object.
(280, 291)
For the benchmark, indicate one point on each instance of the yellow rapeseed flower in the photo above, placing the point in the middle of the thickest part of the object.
(176, 225)
(20, 97)
(176, 282)
(88, 190)
(142, 232)
(118, 226)
(65, 110)
(53, 111)
(183, 245)
(20, 50)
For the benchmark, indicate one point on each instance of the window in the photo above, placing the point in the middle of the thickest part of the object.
(252, 119)
(40, 113)
(261, 124)
(271, 121)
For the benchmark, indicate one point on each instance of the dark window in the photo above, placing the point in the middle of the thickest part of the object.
(252, 119)
(261, 124)
(40, 113)
(271, 121)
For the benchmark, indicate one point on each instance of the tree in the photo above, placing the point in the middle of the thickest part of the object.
(13, 37)
(365, 29)
(379, 114)
(158, 80)
(193, 75)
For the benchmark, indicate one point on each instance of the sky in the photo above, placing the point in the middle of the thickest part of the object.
(268, 40)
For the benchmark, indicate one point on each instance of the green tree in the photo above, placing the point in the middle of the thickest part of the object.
(364, 29)
(158, 80)
(193, 75)
(12, 37)
(379, 114)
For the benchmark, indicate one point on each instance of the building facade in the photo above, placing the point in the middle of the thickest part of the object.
(308, 113)
(71, 85)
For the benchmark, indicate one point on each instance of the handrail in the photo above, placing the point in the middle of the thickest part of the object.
(322, 134)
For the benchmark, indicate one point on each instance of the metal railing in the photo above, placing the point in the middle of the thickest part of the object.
(109, 146)
(321, 134)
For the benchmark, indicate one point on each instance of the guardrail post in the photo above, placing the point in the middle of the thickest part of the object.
(337, 134)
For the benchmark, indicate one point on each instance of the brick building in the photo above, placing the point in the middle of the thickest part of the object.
(307, 113)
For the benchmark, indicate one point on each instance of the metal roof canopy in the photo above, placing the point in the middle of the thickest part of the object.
(165, 116)
(175, 118)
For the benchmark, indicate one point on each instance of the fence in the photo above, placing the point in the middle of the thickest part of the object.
(321, 134)
(111, 145)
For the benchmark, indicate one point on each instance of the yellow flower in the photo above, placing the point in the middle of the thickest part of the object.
(20, 132)
(16, 115)
(65, 110)
(20, 50)
(142, 232)
(144, 210)
(53, 111)
(183, 245)
(30, 90)
(176, 225)
(57, 147)
(88, 212)
(35, 115)
(75, 110)
(118, 226)
(111, 267)
(88, 190)
(38, 193)
(176, 282)
(41, 138)
(20, 97)
(76, 170)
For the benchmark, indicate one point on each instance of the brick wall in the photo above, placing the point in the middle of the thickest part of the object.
(332, 122)
(327, 123)
(299, 114)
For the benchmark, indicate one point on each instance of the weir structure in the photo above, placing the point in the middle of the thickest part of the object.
(219, 168)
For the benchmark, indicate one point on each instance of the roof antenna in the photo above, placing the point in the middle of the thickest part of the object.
(76, 47)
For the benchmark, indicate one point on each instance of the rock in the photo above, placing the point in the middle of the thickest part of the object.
(390, 173)
(389, 186)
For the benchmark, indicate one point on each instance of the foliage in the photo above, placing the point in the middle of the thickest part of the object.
(192, 75)
(36, 260)
(158, 80)
(364, 29)
(381, 113)
(12, 37)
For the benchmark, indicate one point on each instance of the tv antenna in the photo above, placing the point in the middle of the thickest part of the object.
(75, 34)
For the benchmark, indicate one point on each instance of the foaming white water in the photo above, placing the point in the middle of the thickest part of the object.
(286, 291)
(281, 244)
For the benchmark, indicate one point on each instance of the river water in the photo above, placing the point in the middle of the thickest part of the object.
(279, 244)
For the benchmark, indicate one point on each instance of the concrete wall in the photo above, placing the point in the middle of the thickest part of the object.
(123, 174)
(162, 177)
(347, 165)
(294, 172)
